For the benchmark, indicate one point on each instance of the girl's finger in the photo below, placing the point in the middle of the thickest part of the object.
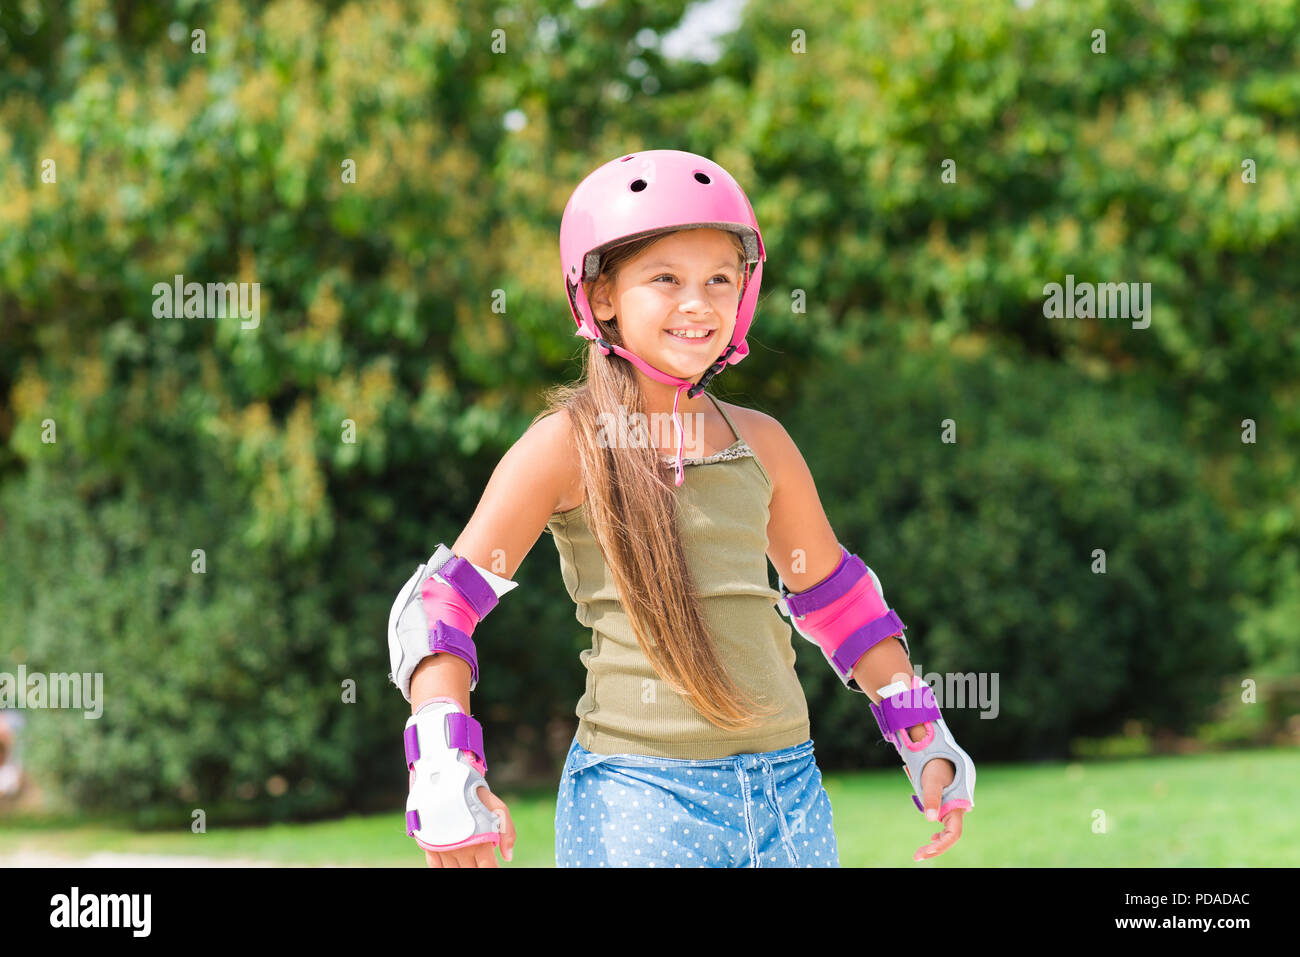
(929, 851)
(946, 840)
(941, 842)
(494, 803)
(931, 789)
(953, 820)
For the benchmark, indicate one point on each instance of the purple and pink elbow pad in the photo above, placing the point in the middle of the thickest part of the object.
(455, 609)
(844, 615)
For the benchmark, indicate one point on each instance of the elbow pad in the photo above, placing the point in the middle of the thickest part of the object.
(436, 611)
(844, 616)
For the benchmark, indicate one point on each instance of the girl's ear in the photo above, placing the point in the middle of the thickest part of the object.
(598, 296)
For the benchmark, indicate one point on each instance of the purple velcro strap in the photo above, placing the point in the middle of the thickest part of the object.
(845, 576)
(855, 645)
(412, 822)
(411, 740)
(902, 711)
(449, 638)
(472, 586)
(466, 733)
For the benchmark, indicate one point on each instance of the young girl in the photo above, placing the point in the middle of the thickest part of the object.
(692, 746)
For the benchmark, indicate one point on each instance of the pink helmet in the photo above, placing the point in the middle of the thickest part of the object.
(643, 194)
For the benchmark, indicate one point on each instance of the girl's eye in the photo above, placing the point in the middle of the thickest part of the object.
(667, 276)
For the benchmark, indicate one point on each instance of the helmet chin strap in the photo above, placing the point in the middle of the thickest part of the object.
(672, 380)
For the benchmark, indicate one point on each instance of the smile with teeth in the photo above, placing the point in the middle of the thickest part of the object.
(690, 334)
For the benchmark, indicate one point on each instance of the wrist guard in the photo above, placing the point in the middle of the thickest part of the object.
(909, 707)
(444, 754)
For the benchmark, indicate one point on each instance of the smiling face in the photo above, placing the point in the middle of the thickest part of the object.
(687, 282)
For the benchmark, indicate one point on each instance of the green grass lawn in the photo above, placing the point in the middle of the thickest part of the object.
(1196, 811)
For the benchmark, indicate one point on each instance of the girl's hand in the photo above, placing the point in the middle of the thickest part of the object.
(479, 855)
(936, 776)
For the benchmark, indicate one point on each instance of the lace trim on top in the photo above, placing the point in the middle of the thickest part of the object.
(738, 450)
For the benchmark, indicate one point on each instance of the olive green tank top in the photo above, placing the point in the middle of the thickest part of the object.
(626, 707)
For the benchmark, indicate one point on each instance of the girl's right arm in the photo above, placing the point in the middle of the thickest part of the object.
(533, 478)
(526, 488)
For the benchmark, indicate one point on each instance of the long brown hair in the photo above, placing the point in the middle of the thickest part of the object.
(631, 510)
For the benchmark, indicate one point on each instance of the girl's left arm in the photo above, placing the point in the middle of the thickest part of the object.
(805, 551)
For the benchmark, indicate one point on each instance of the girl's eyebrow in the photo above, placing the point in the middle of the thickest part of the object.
(658, 265)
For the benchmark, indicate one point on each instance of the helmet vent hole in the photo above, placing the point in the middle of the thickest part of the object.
(626, 158)
(702, 178)
(637, 185)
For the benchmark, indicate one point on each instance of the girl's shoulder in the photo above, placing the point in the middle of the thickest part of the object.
(762, 433)
(755, 427)
(551, 457)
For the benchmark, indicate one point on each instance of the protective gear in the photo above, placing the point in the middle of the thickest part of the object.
(843, 615)
(645, 194)
(444, 754)
(436, 611)
(897, 713)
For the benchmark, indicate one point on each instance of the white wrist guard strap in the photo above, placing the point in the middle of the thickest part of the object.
(444, 753)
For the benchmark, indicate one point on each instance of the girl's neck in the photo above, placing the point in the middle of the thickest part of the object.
(695, 414)
(658, 397)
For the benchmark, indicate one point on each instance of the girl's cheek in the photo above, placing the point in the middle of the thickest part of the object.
(645, 298)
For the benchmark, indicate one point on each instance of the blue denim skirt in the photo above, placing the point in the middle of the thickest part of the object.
(762, 809)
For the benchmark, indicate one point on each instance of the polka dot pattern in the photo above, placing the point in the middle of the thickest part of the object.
(765, 809)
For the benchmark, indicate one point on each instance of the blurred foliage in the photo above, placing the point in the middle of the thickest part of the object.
(376, 309)
(987, 546)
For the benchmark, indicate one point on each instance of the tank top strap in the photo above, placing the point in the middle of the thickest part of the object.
(718, 405)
